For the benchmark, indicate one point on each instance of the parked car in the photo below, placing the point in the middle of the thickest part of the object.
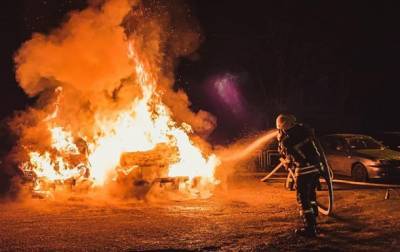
(360, 157)
(389, 139)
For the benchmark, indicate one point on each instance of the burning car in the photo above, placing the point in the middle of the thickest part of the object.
(106, 108)
(360, 157)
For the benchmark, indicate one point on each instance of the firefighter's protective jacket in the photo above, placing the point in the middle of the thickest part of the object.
(298, 144)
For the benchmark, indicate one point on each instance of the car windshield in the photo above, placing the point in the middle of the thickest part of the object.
(360, 143)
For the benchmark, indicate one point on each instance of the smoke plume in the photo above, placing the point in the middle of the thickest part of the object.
(80, 71)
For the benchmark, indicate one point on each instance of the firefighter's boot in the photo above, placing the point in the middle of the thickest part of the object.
(310, 224)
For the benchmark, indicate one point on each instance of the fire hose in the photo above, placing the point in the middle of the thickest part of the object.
(327, 210)
(327, 177)
(389, 187)
(326, 174)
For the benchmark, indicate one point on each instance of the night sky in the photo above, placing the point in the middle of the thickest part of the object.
(335, 64)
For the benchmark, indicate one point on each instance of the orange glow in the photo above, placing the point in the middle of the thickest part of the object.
(107, 112)
(146, 123)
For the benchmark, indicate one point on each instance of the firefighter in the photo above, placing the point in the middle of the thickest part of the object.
(298, 148)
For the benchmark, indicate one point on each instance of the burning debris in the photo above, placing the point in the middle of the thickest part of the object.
(106, 109)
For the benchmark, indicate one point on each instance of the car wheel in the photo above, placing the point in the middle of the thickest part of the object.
(359, 173)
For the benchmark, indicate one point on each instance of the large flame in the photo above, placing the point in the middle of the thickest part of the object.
(141, 126)
(141, 129)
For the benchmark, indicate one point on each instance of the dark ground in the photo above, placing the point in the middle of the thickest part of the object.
(252, 216)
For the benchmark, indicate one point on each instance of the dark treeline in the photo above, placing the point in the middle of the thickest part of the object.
(333, 64)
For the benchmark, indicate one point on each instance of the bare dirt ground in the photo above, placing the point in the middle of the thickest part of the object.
(250, 216)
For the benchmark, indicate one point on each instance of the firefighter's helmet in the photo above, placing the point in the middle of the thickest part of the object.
(285, 121)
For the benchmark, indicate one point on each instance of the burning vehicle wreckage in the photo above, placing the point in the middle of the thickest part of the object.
(136, 172)
(76, 164)
(160, 153)
(106, 112)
